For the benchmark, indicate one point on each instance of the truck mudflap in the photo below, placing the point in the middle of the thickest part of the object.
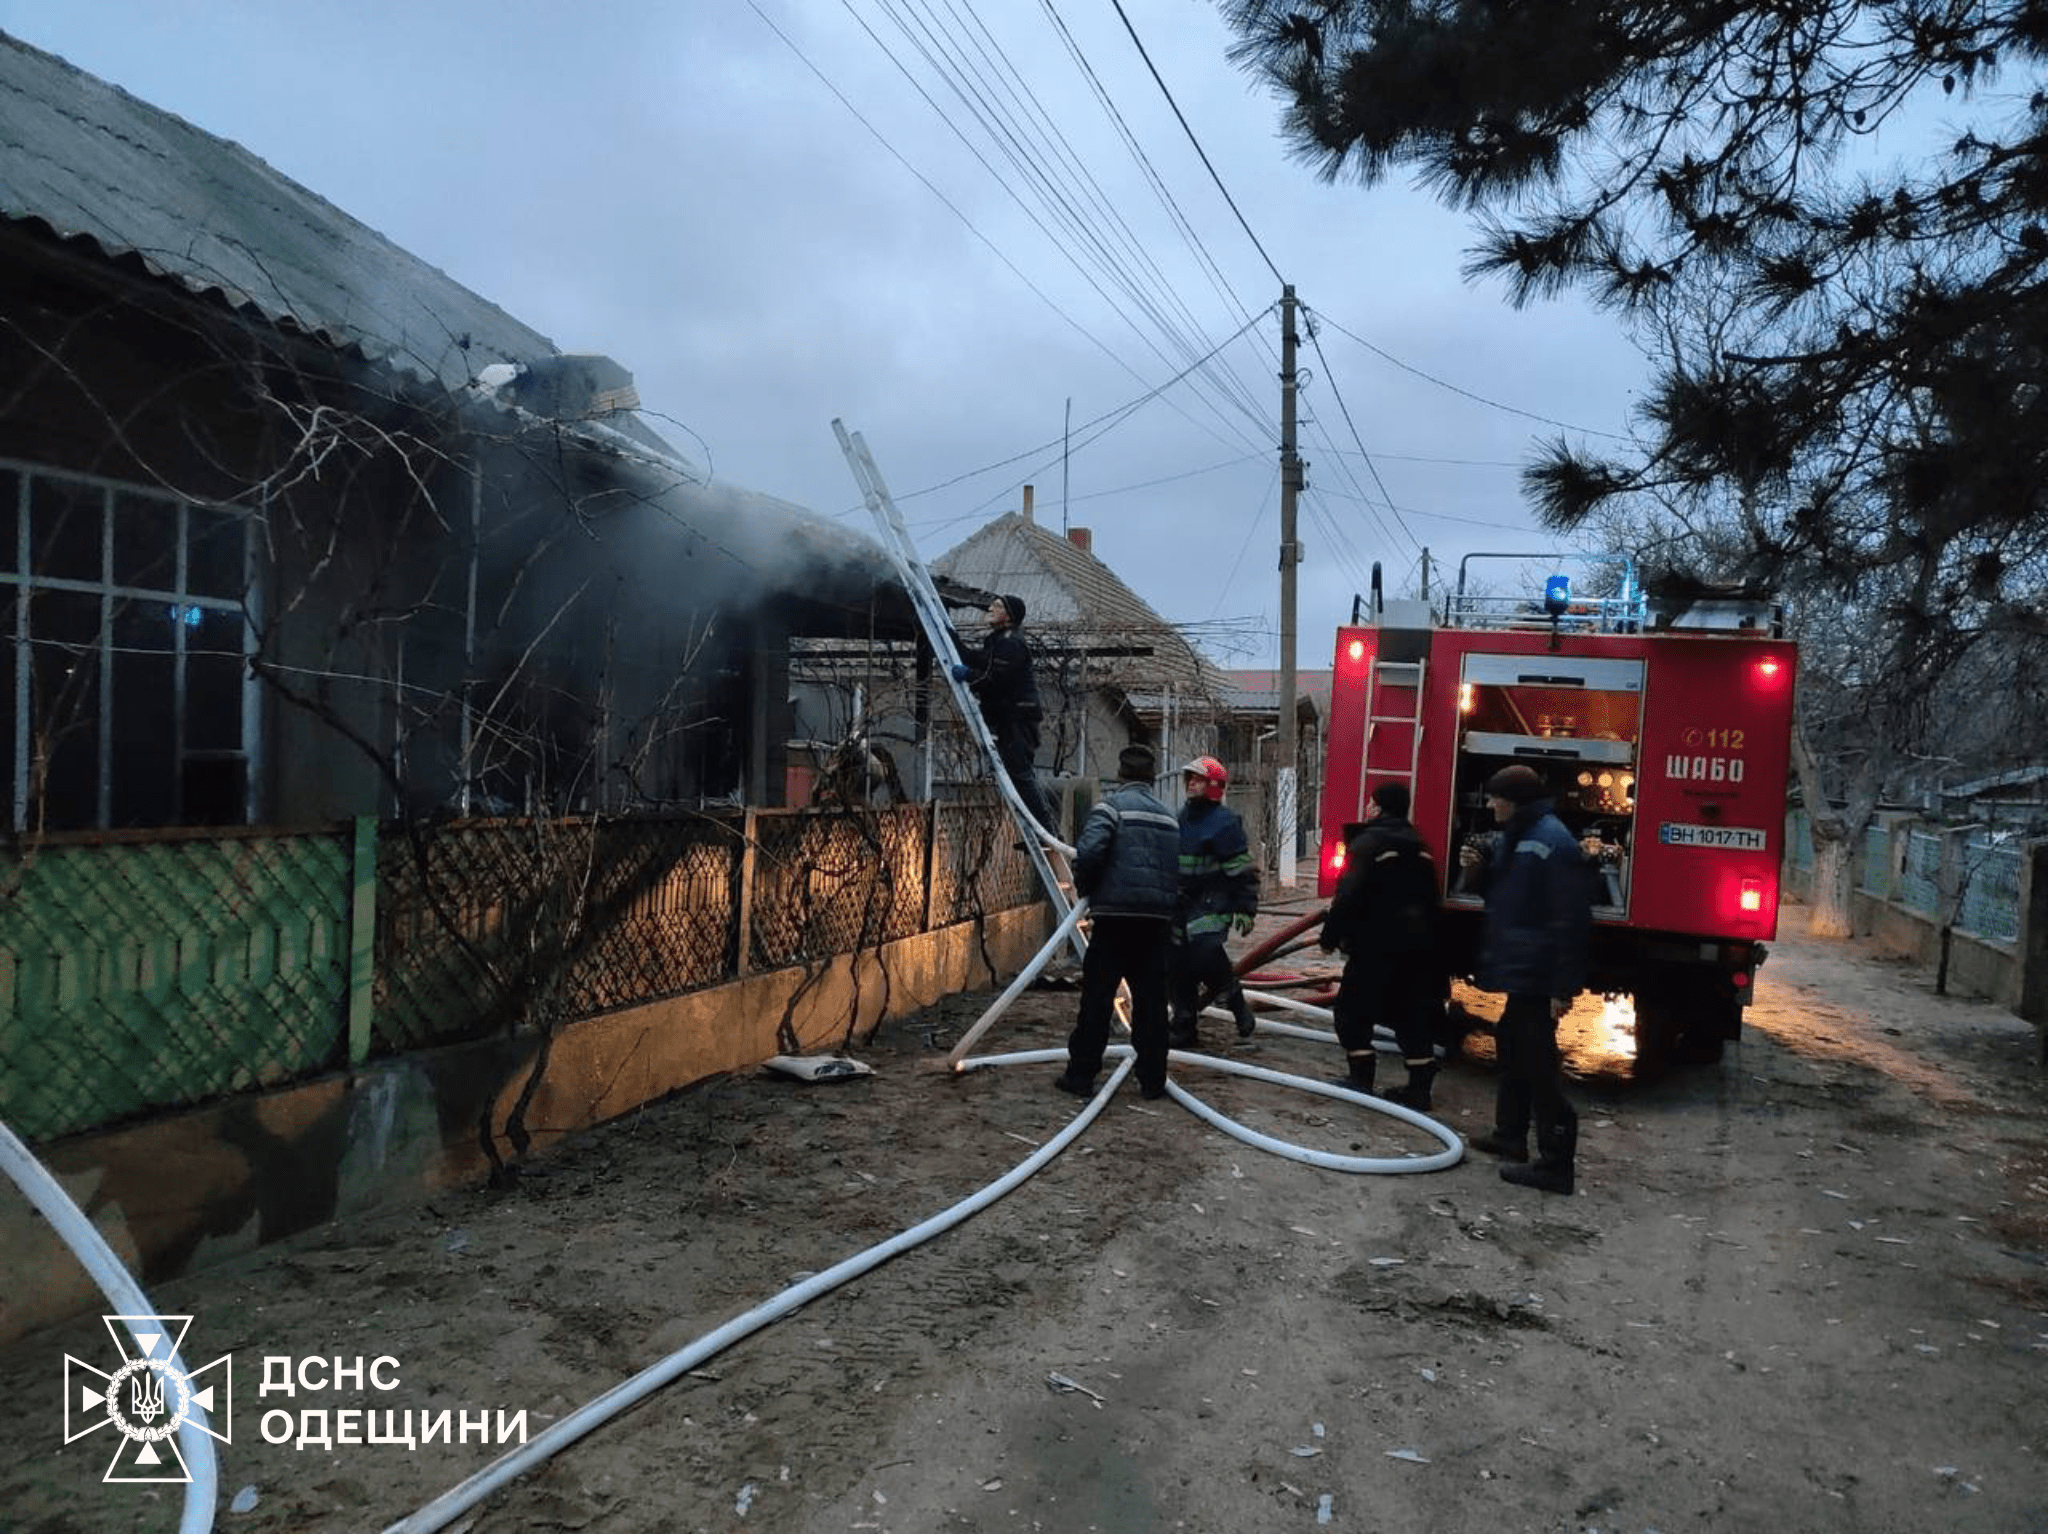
(1690, 997)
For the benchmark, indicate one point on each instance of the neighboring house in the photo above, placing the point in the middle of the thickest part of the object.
(1110, 669)
(1250, 743)
(2016, 797)
(293, 526)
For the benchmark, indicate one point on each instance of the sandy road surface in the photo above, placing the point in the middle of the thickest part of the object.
(1805, 1289)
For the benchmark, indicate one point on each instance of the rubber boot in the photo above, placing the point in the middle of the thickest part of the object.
(1551, 1172)
(1506, 1144)
(1180, 1034)
(1241, 1009)
(1416, 1093)
(1360, 1070)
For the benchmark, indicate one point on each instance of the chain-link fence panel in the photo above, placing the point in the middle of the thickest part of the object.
(834, 881)
(1920, 874)
(660, 912)
(1798, 839)
(474, 919)
(978, 865)
(156, 973)
(1877, 860)
(1991, 893)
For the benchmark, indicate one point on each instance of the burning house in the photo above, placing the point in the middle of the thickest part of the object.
(293, 526)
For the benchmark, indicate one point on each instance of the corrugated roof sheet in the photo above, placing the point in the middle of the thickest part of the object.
(93, 162)
(1070, 594)
(1259, 690)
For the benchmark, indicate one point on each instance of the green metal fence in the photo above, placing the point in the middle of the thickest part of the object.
(140, 974)
(146, 972)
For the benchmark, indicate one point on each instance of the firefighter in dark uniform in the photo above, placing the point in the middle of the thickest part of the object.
(1383, 917)
(999, 671)
(1219, 893)
(1539, 923)
(1124, 862)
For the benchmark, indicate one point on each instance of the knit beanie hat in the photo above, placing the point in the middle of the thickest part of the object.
(1517, 783)
(1392, 798)
(1135, 764)
(1014, 606)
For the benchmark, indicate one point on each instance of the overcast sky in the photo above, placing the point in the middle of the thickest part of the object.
(778, 212)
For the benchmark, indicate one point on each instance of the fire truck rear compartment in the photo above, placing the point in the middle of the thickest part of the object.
(1575, 721)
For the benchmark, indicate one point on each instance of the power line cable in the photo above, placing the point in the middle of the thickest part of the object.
(1491, 404)
(1113, 417)
(1101, 345)
(1204, 259)
(1331, 378)
(1027, 99)
(1139, 44)
(966, 83)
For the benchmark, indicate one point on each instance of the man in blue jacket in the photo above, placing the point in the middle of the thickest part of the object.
(999, 672)
(1127, 862)
(1539, 920)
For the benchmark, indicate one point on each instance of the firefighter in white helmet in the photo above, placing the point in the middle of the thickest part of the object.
(1219, 894)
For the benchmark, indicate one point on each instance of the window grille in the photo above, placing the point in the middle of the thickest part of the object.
(129, 702)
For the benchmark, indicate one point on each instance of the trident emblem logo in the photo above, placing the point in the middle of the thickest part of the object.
(148, 1398)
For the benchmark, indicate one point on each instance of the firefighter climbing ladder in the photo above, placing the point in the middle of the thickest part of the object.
(1048, 854)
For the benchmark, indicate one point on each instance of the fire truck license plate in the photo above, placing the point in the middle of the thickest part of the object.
(1734, 838)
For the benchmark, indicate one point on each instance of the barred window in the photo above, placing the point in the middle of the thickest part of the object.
(129, 701)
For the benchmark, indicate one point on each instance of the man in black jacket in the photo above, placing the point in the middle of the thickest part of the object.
(1539, 922)
(1126, 861)
(1384, 918)
(999, 671)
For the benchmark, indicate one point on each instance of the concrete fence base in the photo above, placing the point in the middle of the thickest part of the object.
(176, 1194)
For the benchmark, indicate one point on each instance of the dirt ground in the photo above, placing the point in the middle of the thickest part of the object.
(1803, 1289)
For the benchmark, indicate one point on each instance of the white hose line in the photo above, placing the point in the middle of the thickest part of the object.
(1452, 1153)
(1382, 1036)
(43, 1191)
(1290, 1004)
(1016, 988)
(451, 1504)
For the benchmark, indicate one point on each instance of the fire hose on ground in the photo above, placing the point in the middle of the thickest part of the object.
(132, 1308)
(501, 1472)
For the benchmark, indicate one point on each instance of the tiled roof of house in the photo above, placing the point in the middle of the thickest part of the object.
(1074, 599)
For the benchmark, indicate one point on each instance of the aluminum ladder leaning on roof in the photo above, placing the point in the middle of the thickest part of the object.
(1049, 855)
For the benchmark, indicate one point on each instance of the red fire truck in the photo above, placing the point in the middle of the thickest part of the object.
(1663, 732)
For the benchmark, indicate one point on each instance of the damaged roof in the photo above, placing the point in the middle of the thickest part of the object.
(99, 167)
(92, 162)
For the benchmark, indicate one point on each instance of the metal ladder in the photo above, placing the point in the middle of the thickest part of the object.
(1388, 763)
(1049, 855)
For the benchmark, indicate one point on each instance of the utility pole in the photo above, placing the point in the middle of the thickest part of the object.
(1285, 808)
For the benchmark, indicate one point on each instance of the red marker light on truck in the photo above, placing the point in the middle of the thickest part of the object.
(1752, 897)
(1768, 670)
(1355, 651)
(1337, 856)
